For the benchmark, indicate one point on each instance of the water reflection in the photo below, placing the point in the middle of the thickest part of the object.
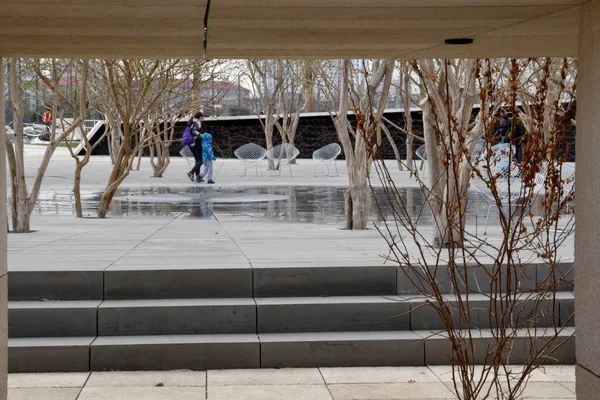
(308, 204)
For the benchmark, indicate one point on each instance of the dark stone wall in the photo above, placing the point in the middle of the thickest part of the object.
(313, 132)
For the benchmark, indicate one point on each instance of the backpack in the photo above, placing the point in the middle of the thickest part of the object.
(187, 138)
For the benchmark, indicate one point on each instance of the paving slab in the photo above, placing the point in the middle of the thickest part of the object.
(147, 379)
(131, 393)
(43, 393)
(266, 376)
(48, 380)
(378, 375)
(391, 391)
(269, 392)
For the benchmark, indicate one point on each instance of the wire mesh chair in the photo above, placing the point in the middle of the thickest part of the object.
(186, 153)
(251, 154)
(478, 149)
(421, 152)
(506, 178)
(283, 154)
(326, 156)
(567, 176)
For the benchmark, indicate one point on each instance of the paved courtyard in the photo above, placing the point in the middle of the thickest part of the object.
(381, 383)
(156, 239)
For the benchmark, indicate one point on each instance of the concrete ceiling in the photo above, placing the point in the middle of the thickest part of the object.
(288, 28)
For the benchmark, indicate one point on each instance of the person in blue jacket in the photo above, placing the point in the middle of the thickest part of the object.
(208, 157)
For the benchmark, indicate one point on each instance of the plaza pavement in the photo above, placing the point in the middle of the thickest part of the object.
(67, 242)
(358, 383)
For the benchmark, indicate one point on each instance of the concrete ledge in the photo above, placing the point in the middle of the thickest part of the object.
(341, 349)
(49, 354)
(180, 316)
(478, 279)
(337, 314)
(438, 348)
(197, 352)
(425, 317)
(125, 284)
(319, 281)
(52, 318)
(55, 285)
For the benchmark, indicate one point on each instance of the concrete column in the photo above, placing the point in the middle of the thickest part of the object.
(587, 180)
(3, 246)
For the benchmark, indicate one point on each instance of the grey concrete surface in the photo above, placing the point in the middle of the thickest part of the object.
(52, 318)
(360, 383)
(54, 284)
(182, 316)
(324, 314)
(196, 352)
(341, 349)
(71, 354)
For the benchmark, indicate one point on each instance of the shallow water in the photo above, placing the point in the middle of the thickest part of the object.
(307, 204)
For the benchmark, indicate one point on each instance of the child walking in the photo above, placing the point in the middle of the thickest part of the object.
(208, 157)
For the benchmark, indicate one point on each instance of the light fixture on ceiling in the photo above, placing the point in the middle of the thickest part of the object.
(459, 41)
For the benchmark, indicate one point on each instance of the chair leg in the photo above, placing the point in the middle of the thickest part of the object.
(290, 167)
(245, 168)
(315, 170)
(486, 219)
(336, 170)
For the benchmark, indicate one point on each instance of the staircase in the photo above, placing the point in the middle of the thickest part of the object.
(139, 318)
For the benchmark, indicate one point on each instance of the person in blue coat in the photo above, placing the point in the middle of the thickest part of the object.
(208, 157)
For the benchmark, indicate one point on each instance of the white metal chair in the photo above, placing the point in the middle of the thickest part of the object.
(421, 152)
(251, 154)
(326, 155)
(186, 153)
(506, 176)
(283, 154)
(567, 176)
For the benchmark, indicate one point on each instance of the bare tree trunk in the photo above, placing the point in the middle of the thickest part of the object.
(21, 197)
(119, 172)
(77, 190)
(12, 166)
(408, 122)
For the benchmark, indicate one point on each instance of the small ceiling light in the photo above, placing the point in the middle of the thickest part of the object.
(457, 41)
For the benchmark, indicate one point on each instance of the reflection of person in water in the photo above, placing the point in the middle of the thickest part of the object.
(204, 210)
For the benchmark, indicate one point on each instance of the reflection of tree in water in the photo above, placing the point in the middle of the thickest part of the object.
(307, 204)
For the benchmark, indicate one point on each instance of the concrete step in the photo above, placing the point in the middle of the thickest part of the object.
(267, 315)
(326, 314)
(55, 285)
(332, 349)
(530, 277)
(528, 311)
(176, 317)
(52, 318)
(43, 354)
(176, 282)
(325, 281)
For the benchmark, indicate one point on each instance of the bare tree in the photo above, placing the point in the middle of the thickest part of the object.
(474, 285)
(134, 89)
(267, 77)
(79, 110)
(357, 90)
(448, 132)
(23, 200)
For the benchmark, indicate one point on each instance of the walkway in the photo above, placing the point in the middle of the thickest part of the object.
(382, 383)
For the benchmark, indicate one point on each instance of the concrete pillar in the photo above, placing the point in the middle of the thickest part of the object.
(3, 246)
(587, 180)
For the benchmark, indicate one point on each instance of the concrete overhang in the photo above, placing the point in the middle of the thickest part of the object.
(288, 28)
